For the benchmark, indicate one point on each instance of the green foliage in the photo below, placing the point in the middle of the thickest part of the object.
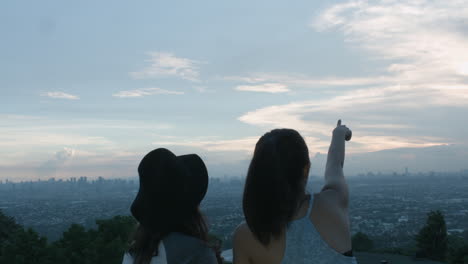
(457, 250)
(25, 246)
(459, 255)
(432, 239)
(8, 226)
(361, 242)
(465, 235)
(105, 245)
(404, 251)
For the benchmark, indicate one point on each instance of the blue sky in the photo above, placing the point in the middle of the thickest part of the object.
(89, 87)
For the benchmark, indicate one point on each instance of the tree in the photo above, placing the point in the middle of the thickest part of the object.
(105, 245)
(457, 249)
(432, 238)
(8, 226)
(361, 242)
(19, 246)
(111, 238)
(459, 255)
(465, 235)
(72, 247)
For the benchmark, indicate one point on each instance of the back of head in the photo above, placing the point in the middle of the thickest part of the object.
(275, 182)
(171, 189)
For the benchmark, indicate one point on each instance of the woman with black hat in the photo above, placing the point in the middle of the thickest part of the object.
(171, 228)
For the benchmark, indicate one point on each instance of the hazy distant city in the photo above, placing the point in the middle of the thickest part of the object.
(389, 208)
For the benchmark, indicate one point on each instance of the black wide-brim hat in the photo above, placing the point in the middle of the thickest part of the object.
(171, 188)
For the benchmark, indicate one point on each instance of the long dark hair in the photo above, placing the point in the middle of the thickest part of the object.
(275, 183)
(144, 243)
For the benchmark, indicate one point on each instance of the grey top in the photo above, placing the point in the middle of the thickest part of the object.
(305, 245)
(181, 249)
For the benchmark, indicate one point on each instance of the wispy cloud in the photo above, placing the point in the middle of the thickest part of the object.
(34, 139)
(423, 41)
(246, 144)
(370, 143)
(61, 95)
(51, 166)
(422, 47)
(298, 116)
(264, 88)
(39, 132)
(144, 92)
(73, 147)
(203, 89)
(301, 80)
(167, 64)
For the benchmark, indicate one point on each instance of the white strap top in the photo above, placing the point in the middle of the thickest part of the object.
(305, 245)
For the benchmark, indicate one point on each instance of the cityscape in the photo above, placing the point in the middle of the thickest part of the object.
(390, 209)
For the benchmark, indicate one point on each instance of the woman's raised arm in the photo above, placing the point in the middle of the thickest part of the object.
(335, 182)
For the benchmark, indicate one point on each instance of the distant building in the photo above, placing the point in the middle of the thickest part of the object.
(403, 219)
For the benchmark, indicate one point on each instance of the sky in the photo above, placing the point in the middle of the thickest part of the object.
(89, 87)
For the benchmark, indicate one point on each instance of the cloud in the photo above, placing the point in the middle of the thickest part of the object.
(200, 89)
(422, 159)
(242, 147)
(265, 88)
(36, 139)
(37, 133)
(72, 162)
(363, 108)
(245, 145)
(301, 80)
(91, 147)
(288, 116)
(51, 166)
(372, 143)
(421, 46)
(424, 42)
(144, 92)
(61, 95)
(167, 64)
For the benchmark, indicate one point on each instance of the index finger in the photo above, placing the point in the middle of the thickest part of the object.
(339, 122)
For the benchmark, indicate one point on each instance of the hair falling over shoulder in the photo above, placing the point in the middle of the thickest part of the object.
(275, 183)
(144, 243)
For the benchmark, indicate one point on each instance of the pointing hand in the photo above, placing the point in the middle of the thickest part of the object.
(341, 131)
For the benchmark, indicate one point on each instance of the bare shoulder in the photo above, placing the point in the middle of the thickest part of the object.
(244, 238)
(242, 234)
(242, 229)
(241, 244)
(247, 249)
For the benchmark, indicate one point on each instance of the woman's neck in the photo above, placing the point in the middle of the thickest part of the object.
(302, 207)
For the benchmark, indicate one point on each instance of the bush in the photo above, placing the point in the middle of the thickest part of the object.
(361, 242)
(432, 238)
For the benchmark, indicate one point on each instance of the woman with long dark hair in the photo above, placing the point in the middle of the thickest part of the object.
(284, 224)
(171, 228)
